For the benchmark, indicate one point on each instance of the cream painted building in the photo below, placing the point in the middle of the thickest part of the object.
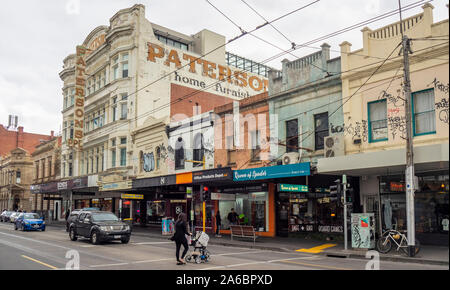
(374, 121)
(139, 75)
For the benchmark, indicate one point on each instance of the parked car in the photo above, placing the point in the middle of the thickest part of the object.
(4, 217)
(72, 217)
(13, 216)
(91, 208)
(99, 226)
(29, 221)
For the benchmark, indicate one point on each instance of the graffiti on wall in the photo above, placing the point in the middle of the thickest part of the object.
(396, 101)
(440, 86)
(443, 107)
(358, 130)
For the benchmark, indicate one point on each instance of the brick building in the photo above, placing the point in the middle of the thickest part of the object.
(11, 139)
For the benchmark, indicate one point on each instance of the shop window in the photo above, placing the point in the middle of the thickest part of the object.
(424, 115)
(377, 115)
(113, 158)
(251, 209)
(158, 157)
(179, 154)
(320, 130)
(123, 156)
(292, 136)
(156, 210)
(199, 150)
(256, 146)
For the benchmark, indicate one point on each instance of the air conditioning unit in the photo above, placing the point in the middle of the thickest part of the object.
(290, 158)
(334, 146)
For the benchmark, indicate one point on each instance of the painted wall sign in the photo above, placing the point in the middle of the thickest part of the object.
(292, 187)
(207, 68)
(80, 84)
(116, 185)
(300, 169)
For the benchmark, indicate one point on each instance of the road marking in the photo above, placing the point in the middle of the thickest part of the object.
(317, 249)
(240, 253)
(316, 265)
(259, 262)
(108, 265)
(39, 262)
(152, 243)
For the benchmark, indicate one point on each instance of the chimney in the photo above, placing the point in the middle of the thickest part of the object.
(20, 137)
(52, 134)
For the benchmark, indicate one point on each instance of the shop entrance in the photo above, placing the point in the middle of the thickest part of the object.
(282, 215)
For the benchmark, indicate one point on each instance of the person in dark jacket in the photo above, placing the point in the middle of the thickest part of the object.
(218, 223)
(233, 217)
(180, 237)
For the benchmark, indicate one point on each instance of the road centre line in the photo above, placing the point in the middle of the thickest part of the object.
(39, 262)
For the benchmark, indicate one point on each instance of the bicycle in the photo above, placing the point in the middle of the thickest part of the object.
(385, 243)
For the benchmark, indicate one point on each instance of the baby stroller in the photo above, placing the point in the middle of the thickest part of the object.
(200, 253)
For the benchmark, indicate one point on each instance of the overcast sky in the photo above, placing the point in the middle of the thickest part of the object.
(36, 35)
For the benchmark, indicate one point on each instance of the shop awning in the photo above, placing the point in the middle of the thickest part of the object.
(386, 162)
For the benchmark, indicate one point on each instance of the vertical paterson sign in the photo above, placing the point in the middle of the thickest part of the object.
(80, 83)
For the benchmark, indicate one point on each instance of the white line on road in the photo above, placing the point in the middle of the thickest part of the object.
(261, 262)
(152, 243)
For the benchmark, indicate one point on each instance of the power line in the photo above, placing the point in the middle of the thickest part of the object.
(191, 94)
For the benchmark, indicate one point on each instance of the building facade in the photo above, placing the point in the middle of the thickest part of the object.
(374, 124)
(12, 139)
(16, 177)
(44, 195)
(137, 77)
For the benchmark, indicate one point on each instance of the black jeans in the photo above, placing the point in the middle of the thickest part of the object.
(186, 247)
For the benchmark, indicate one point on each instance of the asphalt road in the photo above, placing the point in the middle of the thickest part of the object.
(53, 249)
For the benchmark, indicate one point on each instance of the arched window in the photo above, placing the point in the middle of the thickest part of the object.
(199, 149)
(179, 154)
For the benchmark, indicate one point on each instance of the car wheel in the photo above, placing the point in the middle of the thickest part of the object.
(72, 234)
(94, 238)
(43, 229)
(125, 240)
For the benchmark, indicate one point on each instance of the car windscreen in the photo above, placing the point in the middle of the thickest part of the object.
(104, 217)
(31, 216)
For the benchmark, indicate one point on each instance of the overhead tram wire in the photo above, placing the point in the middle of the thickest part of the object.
(265, 61)
(359, 88)
(213, 84)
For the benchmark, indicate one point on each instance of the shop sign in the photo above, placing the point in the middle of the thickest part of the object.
(397, 186)
(292, 187)
(131, 196)
(222, 196)
(184, 178)
(300, 169)
(188, 192)
(212, 175)
(116, 185)
(178, 201)
(301, 228)
(35, 188)
(154, 181)
(330, 229)
(62, 185)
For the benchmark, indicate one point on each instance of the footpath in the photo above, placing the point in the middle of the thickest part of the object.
(433, 255)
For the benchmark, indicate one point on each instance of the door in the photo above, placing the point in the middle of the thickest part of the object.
(57, 210)
(282, 216)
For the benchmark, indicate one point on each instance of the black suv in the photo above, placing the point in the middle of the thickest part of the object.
(99, 226)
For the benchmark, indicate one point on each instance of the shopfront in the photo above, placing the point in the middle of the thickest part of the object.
(431, 206)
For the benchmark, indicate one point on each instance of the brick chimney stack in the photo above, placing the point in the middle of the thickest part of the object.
(20, 137)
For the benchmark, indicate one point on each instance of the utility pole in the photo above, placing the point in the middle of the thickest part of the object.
(409, 174)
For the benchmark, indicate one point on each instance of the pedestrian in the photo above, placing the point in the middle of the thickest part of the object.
(233, 217)
(218, 223)
(67, 214)
(180, 237)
